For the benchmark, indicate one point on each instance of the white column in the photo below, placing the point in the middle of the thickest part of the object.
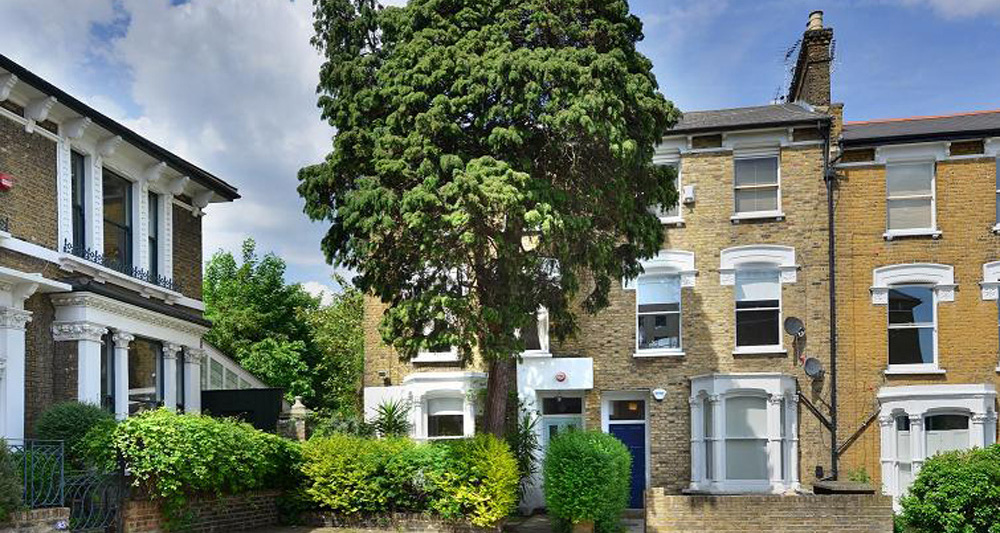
(791, 418)
(170, 375)
(12, 366)
(718, 442)
(977, 430)
(88, 352)
(887, 423)
(917, 443)
(192, 379)
(697, 442)
(121, 387)
(774, 441)
(418, 430)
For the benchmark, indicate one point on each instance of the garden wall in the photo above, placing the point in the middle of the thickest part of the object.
(38, 521)
(210, 514)
(668, 513)
(394, 522)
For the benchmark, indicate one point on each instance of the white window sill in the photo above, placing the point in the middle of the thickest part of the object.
(913, 370)
(736, 487)
(663, 352)
(672, 221)
(536, 354)
(760, 350)
(436, 357)
(757, 215)
(996, 228)
(896, 234)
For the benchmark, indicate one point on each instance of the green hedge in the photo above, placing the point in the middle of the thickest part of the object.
(955, 492)
(472, 479)
(70, 422)
(172, 456)
(10, 484)
(587, 477)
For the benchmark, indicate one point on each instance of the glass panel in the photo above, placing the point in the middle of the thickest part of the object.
(746, 459)
(445, 426)
(911, 346)
(759, 171)
(143, 374)
(914, 213)
(244, 384)
(108, 373)
(562, 406)
(658, 289)
(628, 410)
(947, 422)
(77, 169)
(911, 305)
(181, 385)
(709, 459)
(905, 477)
(659, 331)
(946, 433)
(437, 406)
(903, 438)
(746, 417)
(757, 285)
(709, 418)
(909, 179)
(217, 375)
(117, 219)
(154, 233)
(751, 200)
(204, 373)
(757, 328)
(232, 380)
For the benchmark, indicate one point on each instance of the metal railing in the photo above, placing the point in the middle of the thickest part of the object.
(41, 467)
(120, 266)
(5, 224)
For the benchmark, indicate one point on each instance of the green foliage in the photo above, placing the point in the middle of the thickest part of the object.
(282, 334)
(859, 475)
(587, 477)
(392, 419)
(329, 424)
(171, 456)
(522, 437)
(70, 422)
(10, 484)
(490, 156)
(956, 492)
(473, 479)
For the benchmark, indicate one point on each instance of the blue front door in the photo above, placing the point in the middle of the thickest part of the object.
(634, 438)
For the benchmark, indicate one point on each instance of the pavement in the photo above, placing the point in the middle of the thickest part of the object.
(538, 523)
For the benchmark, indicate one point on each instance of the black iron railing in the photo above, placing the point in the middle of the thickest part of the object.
(5, 224)
(120, 266)
(40, 465)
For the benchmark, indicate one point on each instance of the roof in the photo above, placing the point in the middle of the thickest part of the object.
(746, 117)
(187, 168)
(960, 125)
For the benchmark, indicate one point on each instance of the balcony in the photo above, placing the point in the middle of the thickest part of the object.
(121, 267)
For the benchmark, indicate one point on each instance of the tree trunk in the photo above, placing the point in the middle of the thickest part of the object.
(498, 385)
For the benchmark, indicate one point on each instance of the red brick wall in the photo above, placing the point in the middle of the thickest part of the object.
(228, 513)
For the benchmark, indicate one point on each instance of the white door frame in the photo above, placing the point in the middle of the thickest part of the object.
(607, 397)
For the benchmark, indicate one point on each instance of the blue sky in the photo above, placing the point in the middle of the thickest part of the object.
(230, 84)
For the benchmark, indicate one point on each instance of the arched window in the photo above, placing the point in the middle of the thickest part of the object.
(757, 272)
(911, 293)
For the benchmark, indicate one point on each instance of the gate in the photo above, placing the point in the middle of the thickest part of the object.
(95, 500)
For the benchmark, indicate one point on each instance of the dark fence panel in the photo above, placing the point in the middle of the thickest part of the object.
(40, 465)
(260, 407)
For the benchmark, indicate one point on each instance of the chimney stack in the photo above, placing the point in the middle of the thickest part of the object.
(811, 79)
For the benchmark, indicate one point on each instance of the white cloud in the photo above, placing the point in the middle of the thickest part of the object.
(959, 9)
(323, 292)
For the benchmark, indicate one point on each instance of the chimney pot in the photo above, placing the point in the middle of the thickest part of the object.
(815, 21)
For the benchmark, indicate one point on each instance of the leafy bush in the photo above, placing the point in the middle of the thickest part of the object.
(523, 441)
(10, 484)
(392, 419)
(474, 479)
(172, 456)
(587, 477)
(956, 492)
(327, 424)
(70, 422)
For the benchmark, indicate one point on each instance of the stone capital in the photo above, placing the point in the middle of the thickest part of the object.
(170, 350)
(11, 318)
(194, 355)
(122, 339)
(78, 331)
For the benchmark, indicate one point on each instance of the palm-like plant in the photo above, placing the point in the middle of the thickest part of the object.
(392, 418)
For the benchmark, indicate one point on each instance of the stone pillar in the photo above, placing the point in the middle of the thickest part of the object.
(774, 450)
(917, 443)
(888, 453)
(192, 379)
(977, 430)
(718, 444)
(122, 341)
(419, 429)
(299, 415)
(12, 367)
(88, 344)
(697, 442)
(170, 375)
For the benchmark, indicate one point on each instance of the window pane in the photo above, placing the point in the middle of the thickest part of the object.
(911, 305)
(562, 406)
(78, 172)
(760, 171)
(658, 289)
(709, 418)
(232, 380)
(659, 331)
(154, 234)
(143, 379)
(909, 179)
(757, 285)
(746, 459)
(947, 422)
(757, 328)
(445, 426)
(946, 433)
(529, 334)
(910, 214)
(117, 219)
(911, 346)
(627, 410)
(108, 372)
(746, 416)
(905, 477)
(217, 375)
(437, 406)
(751, 200)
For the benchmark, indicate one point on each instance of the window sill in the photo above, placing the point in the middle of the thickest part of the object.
(776, 216)
(431, 357)
(916, 370)
(668, 352)
(932, 233)
(776, 350)
(996, 228)
(536, 354)
(676, 222)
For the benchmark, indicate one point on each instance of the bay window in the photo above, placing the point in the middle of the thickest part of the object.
(445, 417)
(910, 198)
(758, 308)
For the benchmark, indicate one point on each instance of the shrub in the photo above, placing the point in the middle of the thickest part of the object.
(587, 476)
(70, 422)
(10, 484)
(172, 456)
(956, 492)
(522, 438)
(392, 419)
(473, 479)
(327, 424)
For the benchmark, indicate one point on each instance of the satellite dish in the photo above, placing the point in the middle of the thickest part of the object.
(813, 368)
(795, 327)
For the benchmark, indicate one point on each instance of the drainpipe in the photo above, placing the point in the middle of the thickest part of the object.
(828, 177)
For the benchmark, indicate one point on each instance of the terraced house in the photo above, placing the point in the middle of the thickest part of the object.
(100, 260)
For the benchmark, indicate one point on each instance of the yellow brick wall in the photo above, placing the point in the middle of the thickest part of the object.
(967, 327)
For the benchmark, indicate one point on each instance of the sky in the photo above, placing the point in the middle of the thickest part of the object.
(230, 84)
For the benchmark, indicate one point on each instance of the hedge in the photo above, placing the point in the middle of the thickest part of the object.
(70, 422)
(10, 484)
(467, 479)
(587, 478)
(955, 492)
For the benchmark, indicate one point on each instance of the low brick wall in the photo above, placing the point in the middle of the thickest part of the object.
(393, 522)
(208, 514)
(38, 521)
(670, 513)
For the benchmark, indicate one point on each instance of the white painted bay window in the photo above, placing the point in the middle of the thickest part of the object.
(910, 199)
(445, 417)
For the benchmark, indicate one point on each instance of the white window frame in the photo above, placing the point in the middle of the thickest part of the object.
(463, 412)
(758, 153)
(933, 326)
(990, 289)
(423, 356)
(664, 215)
(667, 262)
(543, 335)
(941, 278)
(758, 257)
(712, 390)
(766, 348)
(917, 402)
(909, 232)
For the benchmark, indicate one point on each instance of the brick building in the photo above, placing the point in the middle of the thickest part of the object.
(100, 260)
